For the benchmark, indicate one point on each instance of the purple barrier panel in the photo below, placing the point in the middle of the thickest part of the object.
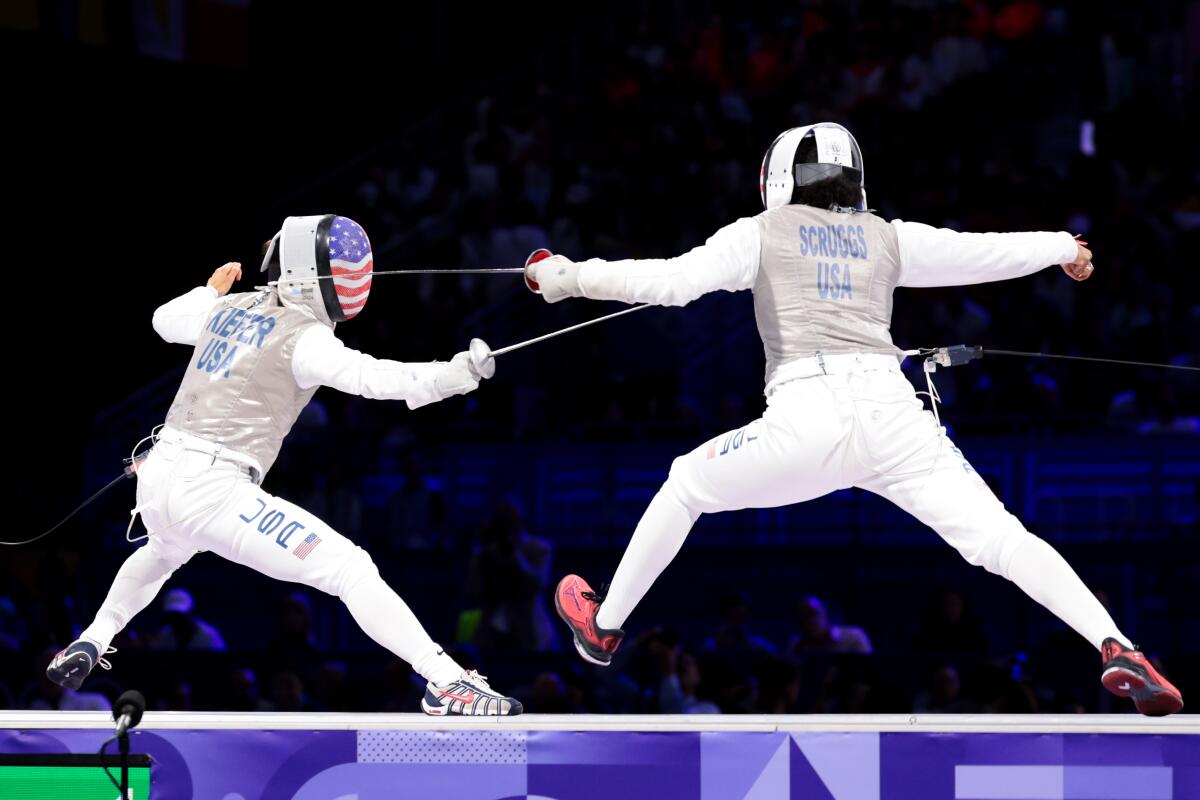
(618, 765)
(1005, 766)
(847, 764)
(1180, 752)
(922, 766)
(813, 766)
(603, 765)
(471, 765)
(731, 765)
(233, 764)
(1183, 754)
(416, 781)
(442, 747)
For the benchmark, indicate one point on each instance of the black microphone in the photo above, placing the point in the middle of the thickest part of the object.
(127, 711)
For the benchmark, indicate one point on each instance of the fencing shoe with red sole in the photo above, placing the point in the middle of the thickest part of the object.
(1128, 673)
(577, 604)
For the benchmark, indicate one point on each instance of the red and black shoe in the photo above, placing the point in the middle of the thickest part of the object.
(577, 604)
(1128, 673)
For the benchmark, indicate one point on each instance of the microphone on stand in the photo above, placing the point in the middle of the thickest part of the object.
(127, 711)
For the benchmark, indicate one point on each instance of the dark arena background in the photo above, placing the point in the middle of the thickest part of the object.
(832, 649)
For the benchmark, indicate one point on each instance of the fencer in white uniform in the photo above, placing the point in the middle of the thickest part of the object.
(839, 411)
(257, 359)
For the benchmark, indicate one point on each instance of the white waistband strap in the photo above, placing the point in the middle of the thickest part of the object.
(831, 364)
(217, 450)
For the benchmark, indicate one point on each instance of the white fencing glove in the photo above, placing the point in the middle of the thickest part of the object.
(554, 277)
(456, 376)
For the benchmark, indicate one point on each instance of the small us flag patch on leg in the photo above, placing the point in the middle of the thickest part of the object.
(304, 548)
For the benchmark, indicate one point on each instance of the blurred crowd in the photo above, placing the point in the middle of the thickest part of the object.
(645, 137)
(641, 137)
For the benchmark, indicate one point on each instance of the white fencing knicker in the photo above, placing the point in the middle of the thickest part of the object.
(194, 496)
(855, 420)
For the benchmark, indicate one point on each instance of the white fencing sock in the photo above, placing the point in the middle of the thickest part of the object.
(1043, 574)
(388, 620)
(657, 539)
(136, 585)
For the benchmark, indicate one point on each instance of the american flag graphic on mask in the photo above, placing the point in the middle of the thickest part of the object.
(350, 262)
(304, 548)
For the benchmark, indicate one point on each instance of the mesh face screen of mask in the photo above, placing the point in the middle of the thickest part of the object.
(79, 777)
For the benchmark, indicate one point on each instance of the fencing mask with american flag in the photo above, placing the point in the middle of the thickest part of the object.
(321, 262)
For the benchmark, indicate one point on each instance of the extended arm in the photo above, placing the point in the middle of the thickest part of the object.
(321, 359)
(181, 321)
(727, 261)
(941, 257)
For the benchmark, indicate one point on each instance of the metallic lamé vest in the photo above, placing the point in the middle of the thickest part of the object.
(239, 390)
(825, 282)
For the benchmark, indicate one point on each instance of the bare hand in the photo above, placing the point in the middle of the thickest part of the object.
(222, 279)
(1081, 268)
